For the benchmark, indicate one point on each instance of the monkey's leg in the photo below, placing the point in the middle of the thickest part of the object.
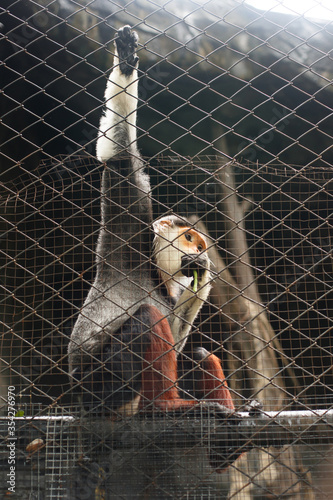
(138, 363)
(159, 378)
(111, 382)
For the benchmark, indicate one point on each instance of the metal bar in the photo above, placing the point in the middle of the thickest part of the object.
(262, 429)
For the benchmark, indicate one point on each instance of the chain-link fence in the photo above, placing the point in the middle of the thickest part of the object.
(234, 122)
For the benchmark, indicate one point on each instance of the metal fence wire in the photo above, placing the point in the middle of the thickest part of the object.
(234, 128)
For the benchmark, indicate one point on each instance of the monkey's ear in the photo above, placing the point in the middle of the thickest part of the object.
(161, 225)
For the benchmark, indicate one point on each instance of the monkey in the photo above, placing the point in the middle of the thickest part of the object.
(152, 278)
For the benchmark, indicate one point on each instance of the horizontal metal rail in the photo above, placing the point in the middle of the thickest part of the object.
(259, 430)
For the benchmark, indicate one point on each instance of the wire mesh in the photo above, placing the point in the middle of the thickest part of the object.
(235, 127)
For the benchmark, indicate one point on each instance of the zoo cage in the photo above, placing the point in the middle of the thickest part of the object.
(235, 128)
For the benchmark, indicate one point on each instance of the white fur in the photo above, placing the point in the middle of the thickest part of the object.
(188, 306)
(168, 252)
(121, 96)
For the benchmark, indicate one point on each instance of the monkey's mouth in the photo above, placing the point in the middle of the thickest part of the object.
(191, 263)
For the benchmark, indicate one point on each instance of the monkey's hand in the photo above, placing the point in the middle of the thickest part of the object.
(252, 406)
(126, 44)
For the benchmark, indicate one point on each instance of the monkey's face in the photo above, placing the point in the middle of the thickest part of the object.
(179, 250)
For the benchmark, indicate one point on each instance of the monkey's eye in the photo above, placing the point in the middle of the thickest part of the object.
(188, 237)
(200, 248)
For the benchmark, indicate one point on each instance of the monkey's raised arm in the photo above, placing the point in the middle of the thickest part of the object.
(123, 274)
(117, 129)
(126, 211)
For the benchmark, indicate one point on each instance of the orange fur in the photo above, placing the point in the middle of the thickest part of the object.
(159, 377)
(213, 384)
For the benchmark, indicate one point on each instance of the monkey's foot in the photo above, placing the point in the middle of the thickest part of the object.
(126, 44)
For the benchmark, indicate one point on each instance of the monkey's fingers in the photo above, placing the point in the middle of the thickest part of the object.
(126, 43)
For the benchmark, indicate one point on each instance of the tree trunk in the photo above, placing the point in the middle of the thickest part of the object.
(254, 355)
